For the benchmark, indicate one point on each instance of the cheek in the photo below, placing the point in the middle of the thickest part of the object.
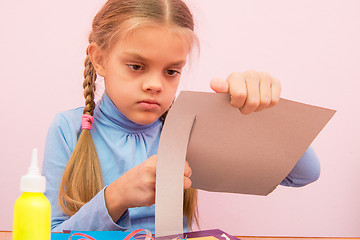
(171, 87)
(173, 84)
(119, 81)
(171, 92)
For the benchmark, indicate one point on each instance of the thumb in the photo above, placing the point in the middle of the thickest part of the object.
(219, 85)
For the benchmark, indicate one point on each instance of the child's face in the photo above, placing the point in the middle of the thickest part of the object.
(142, 72)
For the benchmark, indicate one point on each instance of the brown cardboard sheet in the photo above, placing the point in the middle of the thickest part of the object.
(229, 151)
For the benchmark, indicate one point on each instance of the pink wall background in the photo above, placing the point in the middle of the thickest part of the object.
(311, 46)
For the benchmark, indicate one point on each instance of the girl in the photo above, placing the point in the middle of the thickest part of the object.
(101, 170)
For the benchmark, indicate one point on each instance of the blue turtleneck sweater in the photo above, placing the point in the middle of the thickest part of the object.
(121, 144)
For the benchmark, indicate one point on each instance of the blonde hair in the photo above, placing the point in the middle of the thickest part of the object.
(82, 178)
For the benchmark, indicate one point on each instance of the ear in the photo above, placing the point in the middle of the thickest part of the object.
(97, 57)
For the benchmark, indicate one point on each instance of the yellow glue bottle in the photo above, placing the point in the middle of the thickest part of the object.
(32, 209)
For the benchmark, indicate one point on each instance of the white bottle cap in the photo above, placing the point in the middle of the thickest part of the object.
(33, 181)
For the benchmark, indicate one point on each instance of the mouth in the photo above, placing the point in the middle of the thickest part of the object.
(150, 101)
(149, 104)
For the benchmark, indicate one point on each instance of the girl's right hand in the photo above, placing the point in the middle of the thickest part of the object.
(136, 188)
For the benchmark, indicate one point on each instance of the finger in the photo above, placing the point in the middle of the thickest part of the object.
(275, 91)
(187, 183)
(150, 164)
(187, 171)
(253, 92)
(219, 85)
(265, 92)
(150, 199)
(148, 179)
(237, 89)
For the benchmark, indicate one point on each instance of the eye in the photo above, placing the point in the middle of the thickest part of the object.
(172, 73)
(135, 67)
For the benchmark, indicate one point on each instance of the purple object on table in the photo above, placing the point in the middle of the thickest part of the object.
(206, 233)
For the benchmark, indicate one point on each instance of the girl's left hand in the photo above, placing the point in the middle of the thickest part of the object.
(250, 91)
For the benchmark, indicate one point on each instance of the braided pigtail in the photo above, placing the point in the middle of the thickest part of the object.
(190, 206)
(82, 178)
(89, 85)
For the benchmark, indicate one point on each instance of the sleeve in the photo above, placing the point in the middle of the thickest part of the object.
(60, 142)
(306, 170)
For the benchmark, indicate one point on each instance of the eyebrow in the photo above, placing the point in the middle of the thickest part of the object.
(143, 59)
(137, 56)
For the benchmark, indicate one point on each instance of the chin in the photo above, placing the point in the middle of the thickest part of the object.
(146, 119)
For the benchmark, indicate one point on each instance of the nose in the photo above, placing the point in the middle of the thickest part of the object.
(153, 83)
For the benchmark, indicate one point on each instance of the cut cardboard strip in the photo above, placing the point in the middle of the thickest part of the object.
(170, 174)
(229, 151)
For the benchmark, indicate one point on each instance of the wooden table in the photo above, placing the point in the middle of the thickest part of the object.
(7, 236)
